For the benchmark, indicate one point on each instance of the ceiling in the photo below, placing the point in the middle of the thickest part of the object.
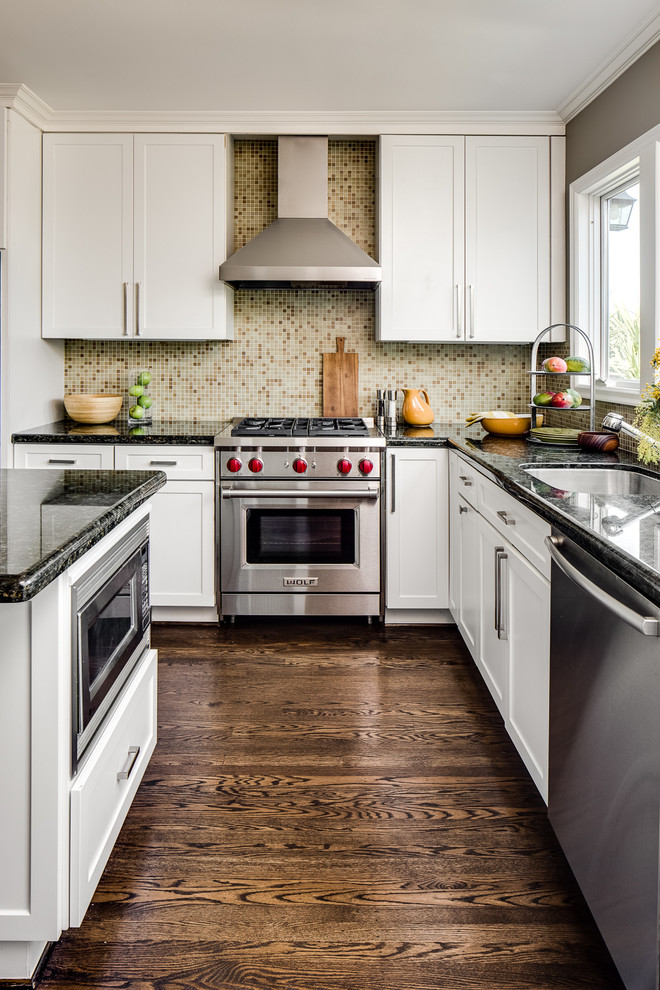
(317, 55)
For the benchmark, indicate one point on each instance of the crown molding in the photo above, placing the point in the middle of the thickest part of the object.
(345, 123)
(610, 70)
(18, 97)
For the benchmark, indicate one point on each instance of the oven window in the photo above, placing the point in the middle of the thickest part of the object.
(109, 631)
(301, 536)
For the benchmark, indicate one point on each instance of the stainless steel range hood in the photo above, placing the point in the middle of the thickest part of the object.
(302, 248)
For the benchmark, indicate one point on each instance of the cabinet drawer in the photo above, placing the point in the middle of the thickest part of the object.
(93, 457)
(522, 528)
(100, 799)
(466, 481)
(184, 463)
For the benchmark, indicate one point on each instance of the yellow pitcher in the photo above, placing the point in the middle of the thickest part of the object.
(416, 410)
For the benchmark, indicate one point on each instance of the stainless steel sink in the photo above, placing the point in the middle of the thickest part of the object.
(597, 481)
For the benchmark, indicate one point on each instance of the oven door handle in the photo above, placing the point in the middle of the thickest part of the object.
(288, 493)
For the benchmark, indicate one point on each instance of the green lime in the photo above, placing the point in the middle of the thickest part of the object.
(135, 390)
(144, 378)
(136, 412)
(144, 401)
(137, 431)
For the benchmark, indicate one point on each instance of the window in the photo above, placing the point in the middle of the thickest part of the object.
(619, 311)
(612, 264)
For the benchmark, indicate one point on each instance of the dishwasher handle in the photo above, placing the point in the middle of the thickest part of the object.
(644, 624)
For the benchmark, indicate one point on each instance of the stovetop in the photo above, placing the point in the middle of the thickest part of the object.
(301, 427)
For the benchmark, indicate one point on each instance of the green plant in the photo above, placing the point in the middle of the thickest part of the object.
(647, 416)
(624, 344)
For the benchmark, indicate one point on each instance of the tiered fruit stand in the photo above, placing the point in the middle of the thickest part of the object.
(535, 374)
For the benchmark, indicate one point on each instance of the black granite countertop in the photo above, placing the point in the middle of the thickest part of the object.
(623, 531)
(49, 519)
(159, 432)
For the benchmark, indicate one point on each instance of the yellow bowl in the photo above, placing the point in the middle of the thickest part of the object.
(515, 426)
(92, 408)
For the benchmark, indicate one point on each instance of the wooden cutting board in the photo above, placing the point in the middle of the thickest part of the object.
(340, 382)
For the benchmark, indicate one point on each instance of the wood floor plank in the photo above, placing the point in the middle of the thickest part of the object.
(331, 806)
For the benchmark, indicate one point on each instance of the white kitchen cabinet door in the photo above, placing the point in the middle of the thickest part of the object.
(492, 657)
(507, 237)
(182, 545)
(421, 238)
(181, 237)
(527, 720)
(464, 238)
(468, 590)
(87, 235)
(134, 230)
(416, 527)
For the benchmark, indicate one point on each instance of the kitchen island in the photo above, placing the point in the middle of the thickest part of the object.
(55, 529)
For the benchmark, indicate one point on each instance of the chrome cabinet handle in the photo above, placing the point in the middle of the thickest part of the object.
(462, 508)
(647, 625)
(471, 289)
(500, 556)
(504, 516)
(163, 463)
(137, 309)
(133, 753)
(467, 481)
(125, 309)
(459, 313)
(62, 460)
(393, 495)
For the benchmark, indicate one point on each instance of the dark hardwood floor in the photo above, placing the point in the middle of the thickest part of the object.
(331, 806)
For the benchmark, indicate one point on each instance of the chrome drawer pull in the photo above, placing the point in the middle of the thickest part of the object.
(467, 481)
(62, 460)
(504, 516)
(163, 463)
(133, 753)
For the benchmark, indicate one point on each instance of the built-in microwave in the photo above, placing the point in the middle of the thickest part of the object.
(111, 629)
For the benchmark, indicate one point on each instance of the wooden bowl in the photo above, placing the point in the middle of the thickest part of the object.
(512, 426)
(91, 408)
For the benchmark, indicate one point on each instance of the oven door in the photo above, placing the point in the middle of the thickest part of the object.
(300, 537)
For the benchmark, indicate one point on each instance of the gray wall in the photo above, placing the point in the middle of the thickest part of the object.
(626, 109)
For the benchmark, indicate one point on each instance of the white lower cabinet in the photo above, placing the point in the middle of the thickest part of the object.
(416, 528)
(182, 571)
(182, 537)
(77, 457)
(500, 599)
(104, 788)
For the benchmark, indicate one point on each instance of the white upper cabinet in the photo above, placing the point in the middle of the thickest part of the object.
(134, 229)
(464, 238)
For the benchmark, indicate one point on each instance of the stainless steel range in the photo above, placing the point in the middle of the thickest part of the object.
(299, 517)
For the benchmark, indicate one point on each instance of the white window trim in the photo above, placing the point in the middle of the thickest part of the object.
(584, 253)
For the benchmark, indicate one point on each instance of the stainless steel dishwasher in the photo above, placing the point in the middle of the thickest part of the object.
(604, 776)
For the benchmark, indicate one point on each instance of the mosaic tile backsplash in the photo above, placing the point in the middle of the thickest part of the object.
(273, 366)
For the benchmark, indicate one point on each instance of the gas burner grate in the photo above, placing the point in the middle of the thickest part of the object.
(344, 426)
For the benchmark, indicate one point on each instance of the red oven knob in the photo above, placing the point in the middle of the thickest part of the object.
(234, 465)
(255, 465)
(344, 466)
(366, 466)
(300, 465)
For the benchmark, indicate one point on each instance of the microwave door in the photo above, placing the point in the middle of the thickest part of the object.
(108, 630)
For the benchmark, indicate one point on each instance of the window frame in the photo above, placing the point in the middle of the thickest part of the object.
(640, 158)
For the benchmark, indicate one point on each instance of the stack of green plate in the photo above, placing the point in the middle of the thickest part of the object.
(554, 434)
